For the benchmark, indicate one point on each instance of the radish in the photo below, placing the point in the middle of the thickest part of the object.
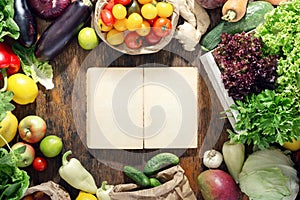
(216, 184)
(48, 9)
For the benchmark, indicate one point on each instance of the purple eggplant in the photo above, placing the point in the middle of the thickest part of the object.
(60, 32)
(26, 22)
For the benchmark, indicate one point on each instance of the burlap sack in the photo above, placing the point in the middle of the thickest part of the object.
(144, 49)
(175, 187)
(53, 190)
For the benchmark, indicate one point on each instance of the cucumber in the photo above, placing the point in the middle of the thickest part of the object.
(136, 175)
(154, 182)
(160, 161)
(254, 16)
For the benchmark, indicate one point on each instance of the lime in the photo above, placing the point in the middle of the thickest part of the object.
(87, 38)
(51, 146)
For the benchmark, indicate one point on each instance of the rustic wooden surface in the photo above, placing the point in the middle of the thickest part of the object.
(64, 109)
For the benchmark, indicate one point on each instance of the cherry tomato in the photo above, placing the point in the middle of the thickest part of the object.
(115, 37)
(162, 27)
(123, 2)
(149, 11)
(119, 11)
(151, 21)
(152, 39)
(145, 29)
(144, 1)
(110, 4)
(134, 21)
(39, 164)
(107, 17)
(133, 40)
(120, 24)
(164, 9)
(103, 27)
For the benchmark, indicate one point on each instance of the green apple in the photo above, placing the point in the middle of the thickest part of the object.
(27, 156)
(51, 146)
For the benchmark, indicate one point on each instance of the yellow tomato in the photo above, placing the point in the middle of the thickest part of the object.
(103, 27)
(24, 88)
(134, 21)
(115, 37)
(144, 1)
(293, 146)
(149, 11)
(145, 29)
(119, 11)
(8, 130)
(164, 9)
(85, 196)
(120, 24)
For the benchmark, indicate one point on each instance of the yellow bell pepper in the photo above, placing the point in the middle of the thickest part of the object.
(85, 196)
(8, 128)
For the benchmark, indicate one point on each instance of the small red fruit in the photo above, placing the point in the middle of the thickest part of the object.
(39, 164)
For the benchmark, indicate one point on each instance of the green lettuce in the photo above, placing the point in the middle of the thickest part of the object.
(41, 72)
(13, 180)
(8, 27)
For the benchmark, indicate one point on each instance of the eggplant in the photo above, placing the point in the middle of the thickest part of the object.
(60, 32)
(26, 22)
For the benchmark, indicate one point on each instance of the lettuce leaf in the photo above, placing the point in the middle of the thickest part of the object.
(8, 27)
(41, 72)
(13, 181)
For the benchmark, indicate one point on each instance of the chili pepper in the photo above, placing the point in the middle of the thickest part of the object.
(9, 63)
(104, 190)
(76, 175)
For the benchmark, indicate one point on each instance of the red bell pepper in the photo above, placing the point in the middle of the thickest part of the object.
(9, 63)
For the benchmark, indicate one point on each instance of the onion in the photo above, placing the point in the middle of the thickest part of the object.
(48, 9)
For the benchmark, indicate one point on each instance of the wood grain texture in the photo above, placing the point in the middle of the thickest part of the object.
(64, 109)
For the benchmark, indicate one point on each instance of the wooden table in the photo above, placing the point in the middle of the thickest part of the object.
(64, 109)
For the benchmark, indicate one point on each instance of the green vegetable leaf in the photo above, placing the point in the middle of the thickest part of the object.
(41, 72)
(269, 174)
(8, 26)
(13, 181)
(5, 103)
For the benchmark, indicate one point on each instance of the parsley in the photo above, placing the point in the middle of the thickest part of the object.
(5, 103)
(266, 118)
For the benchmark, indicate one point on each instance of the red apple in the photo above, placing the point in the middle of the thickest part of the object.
(27, 156)
(32, 129)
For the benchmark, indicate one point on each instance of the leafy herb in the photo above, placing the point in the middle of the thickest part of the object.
(274, 116)
(266, 118)
(244, 68)
(281, 35)
(8, 27)
(41, 72)
(13, 181)
(5, 103)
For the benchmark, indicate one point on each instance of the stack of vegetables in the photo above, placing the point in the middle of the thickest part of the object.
(263, 76)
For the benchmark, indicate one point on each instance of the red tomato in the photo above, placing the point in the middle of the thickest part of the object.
(151, 38)
(151, 21)
(133, 40)
(107, 17)
(110, 4)
(123, 2)
(39, 164)
(162, 27)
